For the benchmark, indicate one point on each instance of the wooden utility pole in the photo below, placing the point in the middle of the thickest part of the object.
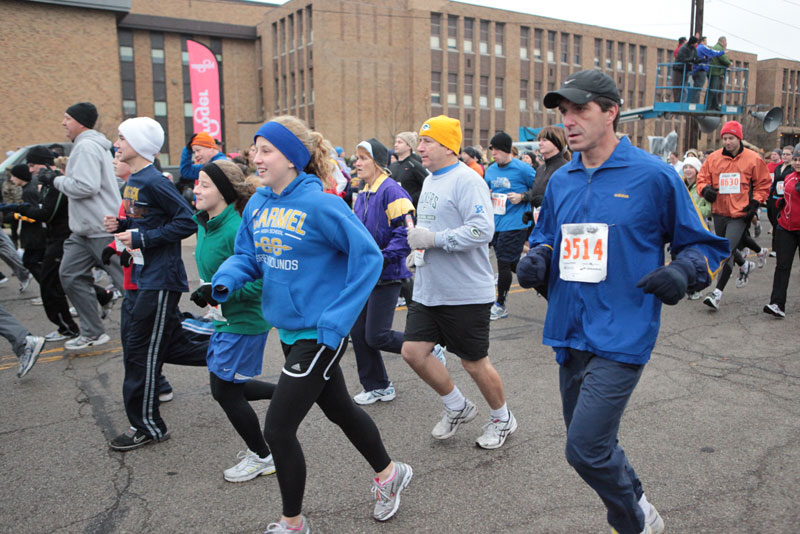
(695, 28)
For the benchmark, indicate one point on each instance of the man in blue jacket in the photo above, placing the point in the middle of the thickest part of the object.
(608, 215)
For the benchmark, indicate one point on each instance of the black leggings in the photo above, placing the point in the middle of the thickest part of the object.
(504, 279)
(234, 399)
(312, 375)
(733, 230)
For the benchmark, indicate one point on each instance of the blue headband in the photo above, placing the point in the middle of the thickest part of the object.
(285, 141)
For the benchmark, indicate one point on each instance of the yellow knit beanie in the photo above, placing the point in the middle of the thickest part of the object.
(443, 130)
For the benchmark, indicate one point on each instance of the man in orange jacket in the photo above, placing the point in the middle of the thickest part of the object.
(735, 180)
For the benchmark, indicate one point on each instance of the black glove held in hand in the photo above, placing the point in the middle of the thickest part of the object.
(527, 217)
(202, 296)
(532, 270)
(709, 193)
(797, 186)
(46, 176)
(668, 282)
(125, 259)
(106, 255)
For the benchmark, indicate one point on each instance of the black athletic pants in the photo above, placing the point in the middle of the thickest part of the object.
(786, 244)
(234, 398)
(311, 375)
(53, 298)
(152, 336)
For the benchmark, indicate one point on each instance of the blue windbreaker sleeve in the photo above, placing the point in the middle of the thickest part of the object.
(364, 266)
(545, 231)
(690, 239)
(240, 268)
(180, 225)
(188, 169)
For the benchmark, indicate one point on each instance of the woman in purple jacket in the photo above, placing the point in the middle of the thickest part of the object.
(382, 205)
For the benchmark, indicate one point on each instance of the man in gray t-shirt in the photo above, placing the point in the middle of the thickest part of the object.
(454, 284)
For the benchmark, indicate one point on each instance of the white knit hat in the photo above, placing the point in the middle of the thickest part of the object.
(693, 162)
(145, 135)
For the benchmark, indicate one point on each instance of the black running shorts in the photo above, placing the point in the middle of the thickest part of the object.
(463, 329)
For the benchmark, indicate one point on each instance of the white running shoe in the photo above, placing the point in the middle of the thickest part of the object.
(388, 493)
(774, 309)
(371, 397)
(695, 296)
(166, 397)
(283, 527)
(498, 312)
(496, 431)
(452, 419)
(82, 342)
(33, 346)
(712, 299)
(744, 273)
(441, 354)
(761, 257)
(250, 467)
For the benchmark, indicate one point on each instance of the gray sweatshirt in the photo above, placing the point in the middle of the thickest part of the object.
(457, 207)
(90, 184)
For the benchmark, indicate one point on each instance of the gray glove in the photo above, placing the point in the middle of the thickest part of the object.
(421, 238)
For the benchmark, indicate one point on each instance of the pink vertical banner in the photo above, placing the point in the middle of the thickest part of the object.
(204, 81)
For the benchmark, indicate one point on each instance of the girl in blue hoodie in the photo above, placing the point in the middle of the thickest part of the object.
(318, 265)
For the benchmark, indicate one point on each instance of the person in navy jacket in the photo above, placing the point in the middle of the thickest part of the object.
(156, 219)
(598, 255)
(319, 265)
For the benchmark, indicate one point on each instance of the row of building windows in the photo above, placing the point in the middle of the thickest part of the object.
(468, 92)
(291, 32)
(569, 52)
(157, 61)
(791, 81)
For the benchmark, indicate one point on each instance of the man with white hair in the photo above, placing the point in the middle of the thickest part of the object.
(156, 219)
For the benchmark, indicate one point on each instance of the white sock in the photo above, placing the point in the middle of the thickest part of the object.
(454, 400)
(500, 414)
(646, 508)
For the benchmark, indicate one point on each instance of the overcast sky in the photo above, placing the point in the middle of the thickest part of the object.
(765, 27)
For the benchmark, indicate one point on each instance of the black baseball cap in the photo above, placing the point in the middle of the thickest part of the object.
(582, 87)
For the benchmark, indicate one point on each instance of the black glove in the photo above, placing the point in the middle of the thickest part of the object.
(709, 193)
(537, 200)
(125, 259)
(527, 217)
(46, 176)
(669, 282)
(781, 203)
(106, 255)
(189, 144)
(752, 209)
(797, 186)
(532, 270)
(202, 296)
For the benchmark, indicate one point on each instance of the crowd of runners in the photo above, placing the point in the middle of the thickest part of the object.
(294, 243)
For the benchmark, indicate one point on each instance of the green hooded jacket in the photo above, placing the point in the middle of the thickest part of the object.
(215, 238)
(717, 65)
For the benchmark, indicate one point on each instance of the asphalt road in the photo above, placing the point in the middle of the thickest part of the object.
(713, 430)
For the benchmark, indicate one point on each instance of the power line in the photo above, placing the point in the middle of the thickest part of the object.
(780, 54)
(792, 26)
